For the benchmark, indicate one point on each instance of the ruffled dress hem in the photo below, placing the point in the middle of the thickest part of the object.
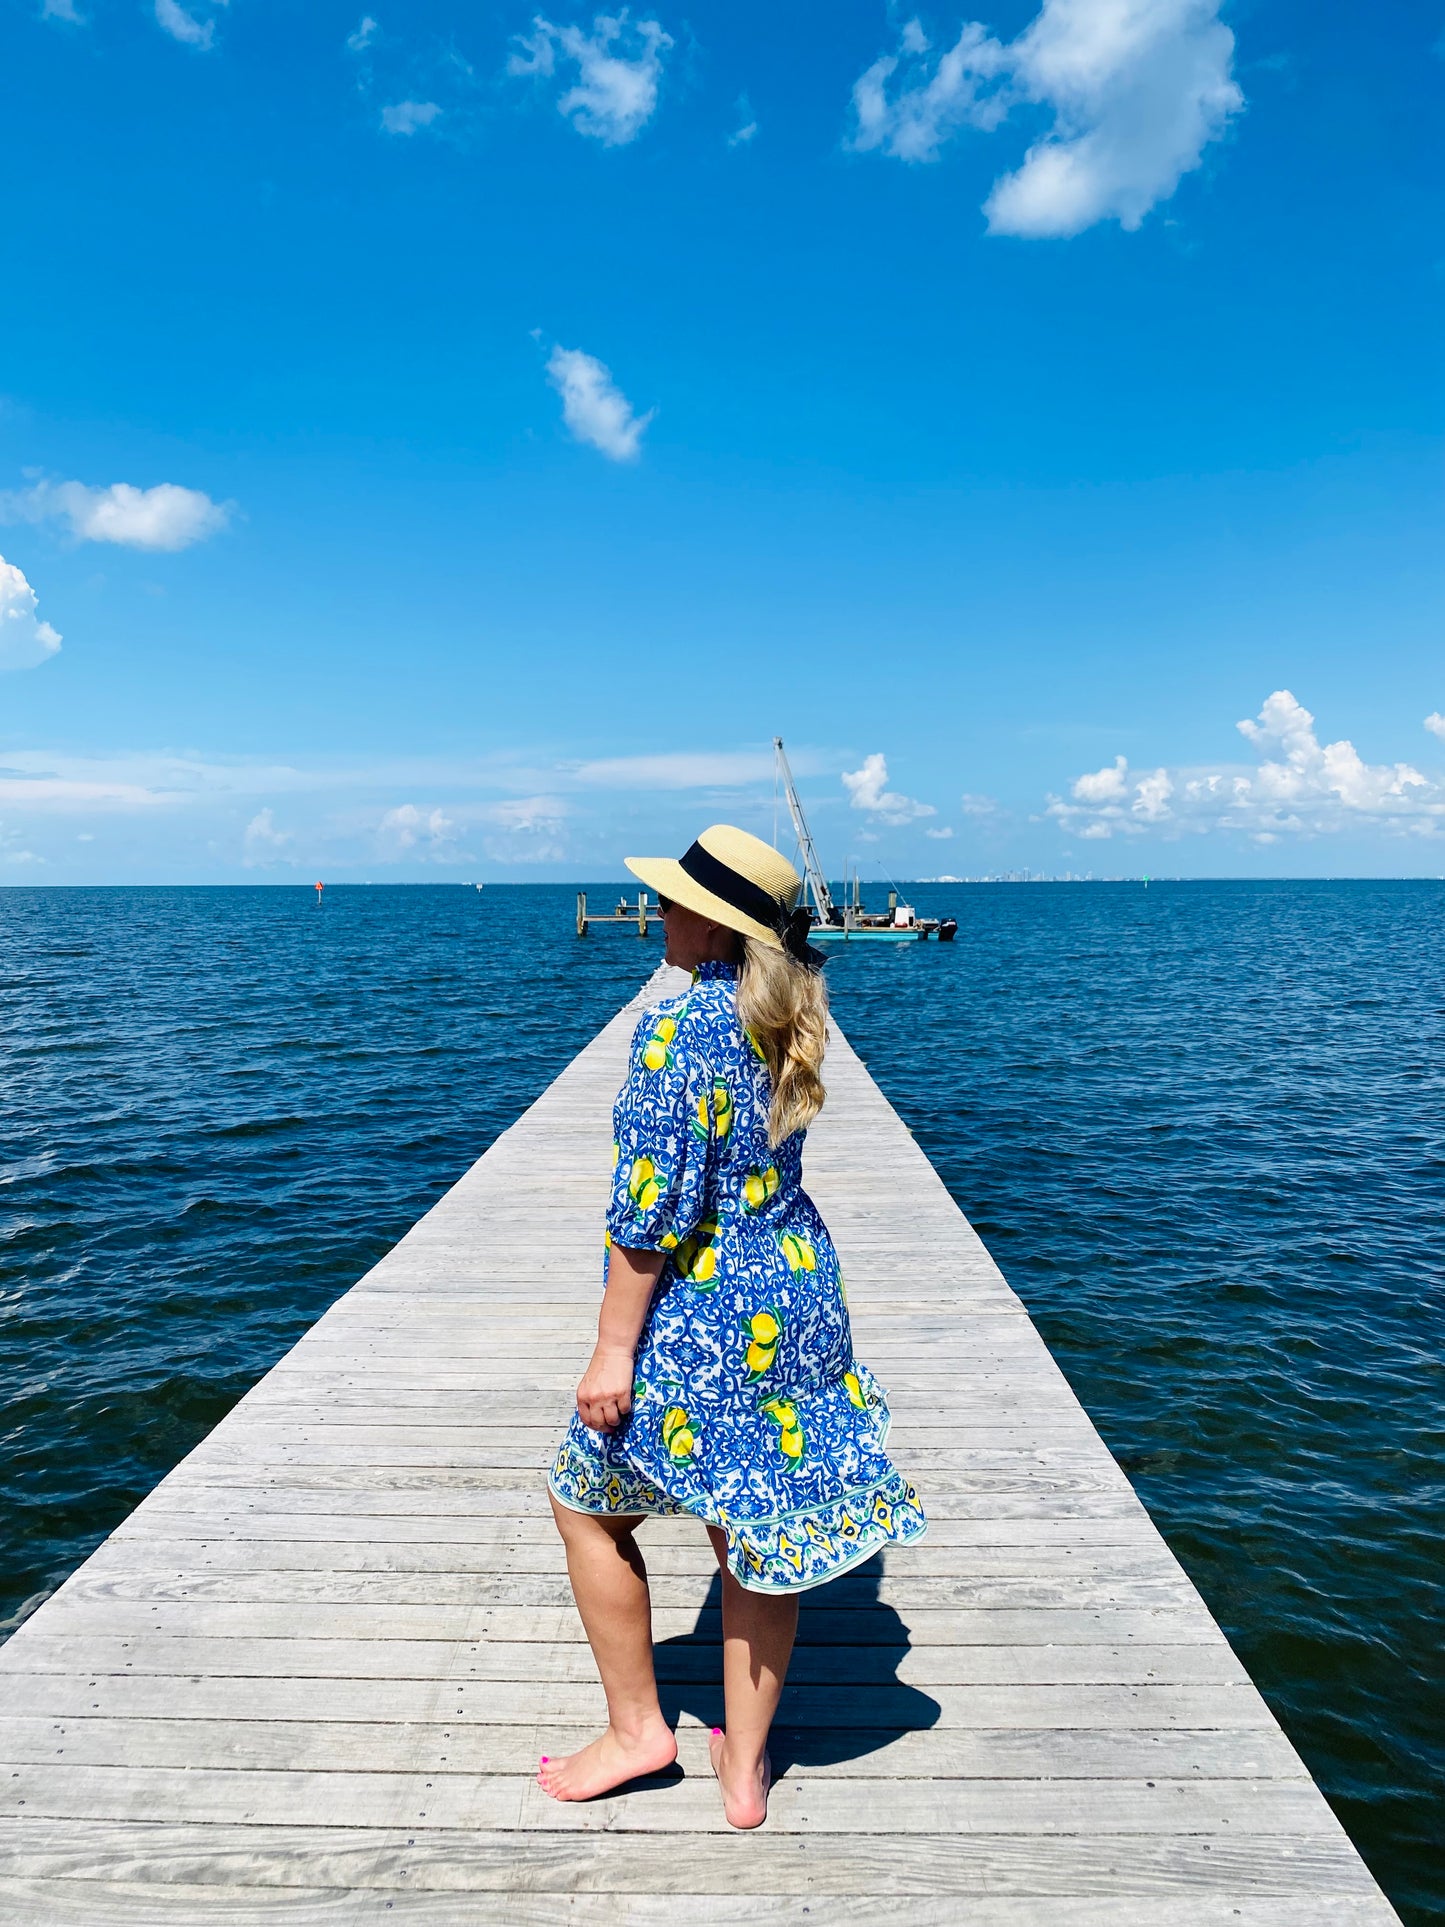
(789, 1552)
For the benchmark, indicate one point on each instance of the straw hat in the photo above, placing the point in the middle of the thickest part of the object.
(737, 880)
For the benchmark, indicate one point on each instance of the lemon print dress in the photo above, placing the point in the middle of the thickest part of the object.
(749, 1409)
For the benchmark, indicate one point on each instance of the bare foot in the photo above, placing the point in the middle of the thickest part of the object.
(745, 1792)
(608, 1763)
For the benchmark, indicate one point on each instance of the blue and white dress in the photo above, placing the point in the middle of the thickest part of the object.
(749, 1409)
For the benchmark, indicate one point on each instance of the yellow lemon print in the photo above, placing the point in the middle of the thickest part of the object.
(657, 1052)
(758, 1187)
(700, 1122)
(616, 1153)
(703, 1269)
(784, 1415)
(854, 1391)
(763, 1331)
(799, 1253)
(607, 1241)
(722, 1108)
(677, 1433)
(668, 1241)
(696, 1258)
(758, 1050)
(642, 1184)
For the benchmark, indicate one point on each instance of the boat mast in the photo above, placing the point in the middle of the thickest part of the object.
(812, 869)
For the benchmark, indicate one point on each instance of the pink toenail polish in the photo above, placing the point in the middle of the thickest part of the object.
(544, 1759)
(716, 1730)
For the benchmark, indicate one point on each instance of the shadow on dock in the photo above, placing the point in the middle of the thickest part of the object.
(843, 1699)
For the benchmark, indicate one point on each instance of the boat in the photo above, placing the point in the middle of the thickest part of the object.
(849, 921)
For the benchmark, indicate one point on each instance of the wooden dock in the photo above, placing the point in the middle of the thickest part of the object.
(309, 1679)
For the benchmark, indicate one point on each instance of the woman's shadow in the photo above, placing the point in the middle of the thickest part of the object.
(843, 1698)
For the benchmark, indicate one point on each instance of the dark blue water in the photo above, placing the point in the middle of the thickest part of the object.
(1201, 1127)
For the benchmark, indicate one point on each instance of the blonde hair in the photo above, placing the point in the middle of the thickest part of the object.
(783, 1006)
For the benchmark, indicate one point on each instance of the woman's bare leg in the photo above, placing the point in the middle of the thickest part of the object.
(609, 1583)
(758, 1633)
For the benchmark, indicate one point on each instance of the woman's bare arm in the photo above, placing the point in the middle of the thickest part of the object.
(604, 1398)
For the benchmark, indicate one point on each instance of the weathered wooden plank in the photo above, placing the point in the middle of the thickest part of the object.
(870, 1749)
(123, 1904)
(433, 1590)
(532, 1547)
(536, 1688)
(689, 1653)
(1088, 1483)
(424, 1499)
(685, 1804)
(172, 1525)
(69, 1613)
(485, 1454)
(593, 1863)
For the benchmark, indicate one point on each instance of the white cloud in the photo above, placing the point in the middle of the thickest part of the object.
(1151, 796)
(24, 639)
(1137, 90)
(537, 813)
(164, 517)
(618, 69)
(527, 830)
(594, 407)
(978, 805)
(1300, 787)
(364, 34)
(406, 116)
(263, 844)
(746, 128)
(677, 770)
(61, 10)
(1435, 723)
(868, 790)
(934, 98)
(940, 836)
(409, 834)
(184, 26)
(63, 795)
(1104, 785)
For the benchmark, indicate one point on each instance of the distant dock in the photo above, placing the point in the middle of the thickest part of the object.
(309, 1679)
(641, 914)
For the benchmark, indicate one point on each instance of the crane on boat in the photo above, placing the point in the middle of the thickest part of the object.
(839, 923)
(814, 882)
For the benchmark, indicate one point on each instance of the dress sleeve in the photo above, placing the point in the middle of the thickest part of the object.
(665, 1132)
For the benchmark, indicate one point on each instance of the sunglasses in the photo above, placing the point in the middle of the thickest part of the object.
(664, 904)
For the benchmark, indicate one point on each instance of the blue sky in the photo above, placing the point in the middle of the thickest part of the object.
(451, 442)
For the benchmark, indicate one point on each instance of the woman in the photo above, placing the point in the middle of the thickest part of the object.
(724, 1382)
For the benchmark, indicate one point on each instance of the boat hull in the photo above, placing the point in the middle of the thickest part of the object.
(825, 934)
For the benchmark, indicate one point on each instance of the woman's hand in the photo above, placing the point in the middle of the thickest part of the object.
(604, 1398)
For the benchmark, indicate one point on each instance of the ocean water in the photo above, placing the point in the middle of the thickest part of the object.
(1201, 1127)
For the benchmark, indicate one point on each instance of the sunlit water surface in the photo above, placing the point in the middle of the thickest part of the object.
(1200, 1127)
